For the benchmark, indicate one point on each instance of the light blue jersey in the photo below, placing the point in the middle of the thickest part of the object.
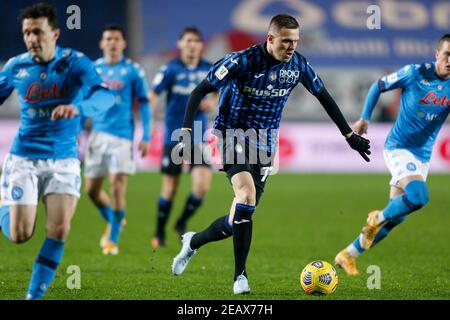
(69, 78)
(424, 107)
(126, 80)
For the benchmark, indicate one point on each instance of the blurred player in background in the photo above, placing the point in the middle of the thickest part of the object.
(178, 78)
(109, 151)
(424, 107)
(43, 161)
(255, 84)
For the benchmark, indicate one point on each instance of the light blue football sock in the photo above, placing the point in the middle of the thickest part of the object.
(116, 226)
(384, 231)
(416, 196)
(44, 268)
(5, 222)
(106, 212)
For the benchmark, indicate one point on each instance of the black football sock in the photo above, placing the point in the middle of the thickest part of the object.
(164, 207)
(218, 230)
(192, 204)
(242, 237)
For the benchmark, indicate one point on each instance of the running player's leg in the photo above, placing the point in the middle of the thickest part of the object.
(102, 201)
(17, 222)
(245, 194)
(409, 174)
(164, 207)
(19, 195)
(118, 184)
(170, 179)
(201, 182)
(60, 209)
(96, 169)
(409, 193)
(355, 248)
(98, 196)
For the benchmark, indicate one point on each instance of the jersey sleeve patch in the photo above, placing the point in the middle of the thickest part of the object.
(221, 72)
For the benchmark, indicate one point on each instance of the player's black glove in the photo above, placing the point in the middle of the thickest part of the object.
(360, 144)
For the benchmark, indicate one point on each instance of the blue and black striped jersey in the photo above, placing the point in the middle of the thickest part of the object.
(254, 88)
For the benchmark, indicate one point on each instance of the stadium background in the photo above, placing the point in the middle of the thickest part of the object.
(334, 37)
(319, 213)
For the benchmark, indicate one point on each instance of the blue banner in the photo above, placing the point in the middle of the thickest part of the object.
(333, 33)
(94, 16)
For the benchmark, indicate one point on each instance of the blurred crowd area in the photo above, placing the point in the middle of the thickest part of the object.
(335, 39)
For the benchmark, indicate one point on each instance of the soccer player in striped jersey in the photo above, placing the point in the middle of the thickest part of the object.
(424, 107)
(254, 86)
(178, 78)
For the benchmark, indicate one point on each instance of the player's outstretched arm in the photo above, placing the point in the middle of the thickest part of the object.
(194, 101)
(146, 117)
(356, 142)
(360, 127)
(98, 101)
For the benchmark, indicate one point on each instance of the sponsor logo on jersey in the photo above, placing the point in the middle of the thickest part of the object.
(114, 84)
(23, 73)
(288, 76)
(432, 99)
(36, 92)
(183, 90)
(267, 93)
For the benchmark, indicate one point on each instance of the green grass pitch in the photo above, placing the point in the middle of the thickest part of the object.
(300, 218)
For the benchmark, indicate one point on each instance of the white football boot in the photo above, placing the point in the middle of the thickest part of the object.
(181, 261)
(241, 285)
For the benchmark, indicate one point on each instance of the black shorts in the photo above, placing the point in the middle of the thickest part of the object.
(173, 169)
(240, 157)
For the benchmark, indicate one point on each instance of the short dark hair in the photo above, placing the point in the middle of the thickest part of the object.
(41, 10)
(444, 38)
(284, 21)
(191, 29)
(114, 27)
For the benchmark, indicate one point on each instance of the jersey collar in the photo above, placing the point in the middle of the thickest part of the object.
(267, 56)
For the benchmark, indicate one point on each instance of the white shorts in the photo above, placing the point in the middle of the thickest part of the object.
(107, 155)
(24, 180)
(402, 163)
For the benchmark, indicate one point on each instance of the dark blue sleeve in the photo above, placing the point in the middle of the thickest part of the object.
(162, 80)
(226, 69)
(310, 80)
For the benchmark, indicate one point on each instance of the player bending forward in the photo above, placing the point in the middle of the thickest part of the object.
(424, 107)
(254, 84)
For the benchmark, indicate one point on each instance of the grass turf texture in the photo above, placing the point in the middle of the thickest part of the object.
(301, 218)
